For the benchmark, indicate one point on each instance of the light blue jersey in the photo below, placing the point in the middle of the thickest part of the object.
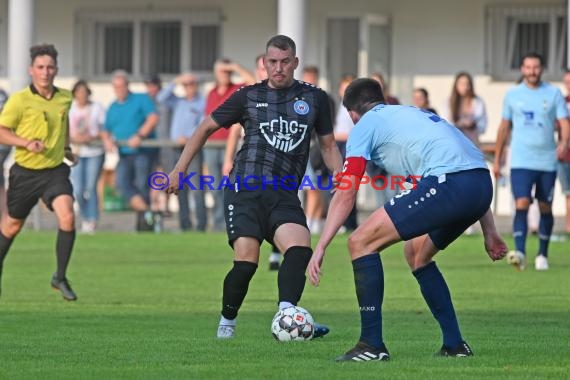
(411, 142)
(533, 113)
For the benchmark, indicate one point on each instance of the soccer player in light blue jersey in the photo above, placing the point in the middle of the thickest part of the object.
(530, 112)
(454, 192)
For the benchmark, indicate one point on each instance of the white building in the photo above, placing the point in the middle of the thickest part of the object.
(414, 43)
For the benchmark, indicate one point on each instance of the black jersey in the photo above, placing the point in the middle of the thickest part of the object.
(278, 124)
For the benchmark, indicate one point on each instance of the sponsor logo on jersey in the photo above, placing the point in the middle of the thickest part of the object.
(283, 134)
(301, 107)
(528, 115)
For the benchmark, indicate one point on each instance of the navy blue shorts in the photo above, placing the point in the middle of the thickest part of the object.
(443, 206)
(522, 181)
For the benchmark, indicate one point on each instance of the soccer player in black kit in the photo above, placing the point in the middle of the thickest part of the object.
(278, 116)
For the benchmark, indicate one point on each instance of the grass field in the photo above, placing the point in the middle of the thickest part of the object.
(149, 306)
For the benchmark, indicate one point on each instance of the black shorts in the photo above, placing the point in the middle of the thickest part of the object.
(258, 213)
(27, 186)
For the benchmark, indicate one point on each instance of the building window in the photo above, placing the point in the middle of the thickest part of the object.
(205, 46)
(513, 32)
(115, 47)
(161, 47)
(145, 42)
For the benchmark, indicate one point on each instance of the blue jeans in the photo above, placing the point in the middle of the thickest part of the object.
(197, 195)
(132, 173)
(84, 177)
(214, 161)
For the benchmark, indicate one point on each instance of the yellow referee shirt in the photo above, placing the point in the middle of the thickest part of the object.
(34, 117)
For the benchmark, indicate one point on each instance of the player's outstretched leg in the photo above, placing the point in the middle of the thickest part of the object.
(437, 296)
(236, 285)
(291, 281)
(369, 283)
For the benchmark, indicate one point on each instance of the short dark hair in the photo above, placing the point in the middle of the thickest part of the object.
(423, 91)
(153, 79)
(363, 94)
(80, 83)
(282, 42)
(43, 49)
(533, 55)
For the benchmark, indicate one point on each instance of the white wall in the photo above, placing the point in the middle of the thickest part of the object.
(242, 37)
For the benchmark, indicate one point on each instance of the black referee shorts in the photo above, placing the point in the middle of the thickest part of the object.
(27, 186)
(258, 213)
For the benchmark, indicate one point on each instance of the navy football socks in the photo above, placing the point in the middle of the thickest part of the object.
(437, 296)
(544, 231)
(520, 229)
(369, 282)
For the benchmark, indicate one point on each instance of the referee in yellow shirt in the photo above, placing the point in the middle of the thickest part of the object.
(35, 121)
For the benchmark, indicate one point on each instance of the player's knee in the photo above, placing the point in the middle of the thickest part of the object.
(11, 229)
(355, 244)
(419, 262)
(545, 208)
(522, 203)
(66, 220)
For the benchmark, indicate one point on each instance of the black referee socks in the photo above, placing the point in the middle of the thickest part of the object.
(235, 287)
(63, 248)
(5, 244)
(291, 278)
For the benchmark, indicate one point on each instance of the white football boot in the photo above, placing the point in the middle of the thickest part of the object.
(541, 263)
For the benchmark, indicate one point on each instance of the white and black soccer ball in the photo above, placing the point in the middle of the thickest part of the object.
(515, 257)
(293, 323)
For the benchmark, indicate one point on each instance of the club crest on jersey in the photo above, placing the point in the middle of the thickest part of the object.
(301, 107)
(282, 134)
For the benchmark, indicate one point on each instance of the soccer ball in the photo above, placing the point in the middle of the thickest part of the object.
(514, 257)
(293, 323)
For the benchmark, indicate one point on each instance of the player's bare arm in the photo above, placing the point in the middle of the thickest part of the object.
(341, 205)
(563, 147)
(330, 152)
(495, 246)
(193, 146)
(502, 138)
(7, 137)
